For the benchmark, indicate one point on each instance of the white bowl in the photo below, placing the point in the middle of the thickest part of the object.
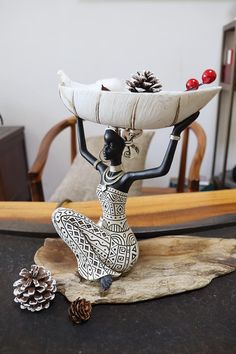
(135, 110)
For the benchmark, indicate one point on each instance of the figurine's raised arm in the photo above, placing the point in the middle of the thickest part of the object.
(83, 147)
(164, 167)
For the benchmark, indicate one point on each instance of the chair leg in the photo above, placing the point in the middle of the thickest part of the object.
(193, 186)
(37, 191)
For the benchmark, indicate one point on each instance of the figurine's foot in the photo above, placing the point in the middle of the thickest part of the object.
(105, 282)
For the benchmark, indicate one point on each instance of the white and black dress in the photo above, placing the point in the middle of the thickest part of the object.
(106, 248)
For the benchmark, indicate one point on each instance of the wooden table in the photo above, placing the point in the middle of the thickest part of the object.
(141, 211)
(197, 322)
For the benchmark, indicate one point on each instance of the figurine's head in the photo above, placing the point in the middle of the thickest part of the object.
(119, 141)
(113, 146)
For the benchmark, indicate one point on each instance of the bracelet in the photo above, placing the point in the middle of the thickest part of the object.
(174, 137)
(96, 163)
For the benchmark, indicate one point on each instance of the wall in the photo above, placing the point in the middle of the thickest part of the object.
(90, 40)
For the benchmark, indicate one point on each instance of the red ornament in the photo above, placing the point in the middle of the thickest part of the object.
(208, 76)
(192, 84)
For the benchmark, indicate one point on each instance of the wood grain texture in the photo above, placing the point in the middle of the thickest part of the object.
(141, 211)
(166, 265)
(194, 172)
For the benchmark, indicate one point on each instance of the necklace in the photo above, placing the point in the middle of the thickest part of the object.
(116, 168)
(109, 180)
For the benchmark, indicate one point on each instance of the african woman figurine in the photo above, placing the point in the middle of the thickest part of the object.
(109, 248)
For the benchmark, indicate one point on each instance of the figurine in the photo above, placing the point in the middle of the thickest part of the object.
(109, 248)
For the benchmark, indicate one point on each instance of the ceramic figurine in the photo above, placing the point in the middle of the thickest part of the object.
(109, 248)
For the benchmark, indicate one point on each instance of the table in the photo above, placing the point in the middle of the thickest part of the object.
(201, 321)
(141, 211)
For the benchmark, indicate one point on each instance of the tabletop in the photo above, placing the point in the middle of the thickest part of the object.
(199, 321)
(141, 211)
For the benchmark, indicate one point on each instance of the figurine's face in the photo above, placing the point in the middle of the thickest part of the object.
(109, 151)
(113, 145)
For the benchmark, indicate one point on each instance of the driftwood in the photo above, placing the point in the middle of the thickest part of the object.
(167, 265)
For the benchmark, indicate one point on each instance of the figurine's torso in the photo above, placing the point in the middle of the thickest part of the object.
(113, 204)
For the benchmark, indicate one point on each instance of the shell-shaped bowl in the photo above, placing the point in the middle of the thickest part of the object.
(135, 110)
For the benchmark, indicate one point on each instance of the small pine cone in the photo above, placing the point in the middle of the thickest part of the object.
(80, 310)
(35, 289)
(144, 82)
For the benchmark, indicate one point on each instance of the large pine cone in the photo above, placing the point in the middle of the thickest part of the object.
(80, 310)
(35, 289)
(144, 82)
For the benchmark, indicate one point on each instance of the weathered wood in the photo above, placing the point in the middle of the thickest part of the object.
(141, 211)
(167, 265)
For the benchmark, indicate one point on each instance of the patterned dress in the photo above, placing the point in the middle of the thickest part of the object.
(106, 248)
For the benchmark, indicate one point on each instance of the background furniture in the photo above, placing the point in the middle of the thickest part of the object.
(191, 182)
(225, 146)
(36, 171)
(13, 165)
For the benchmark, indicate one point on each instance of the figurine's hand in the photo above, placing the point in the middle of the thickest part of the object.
(178, 128)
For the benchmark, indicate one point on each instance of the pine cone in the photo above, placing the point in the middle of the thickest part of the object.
(35, 289)
(80, 310)
(144, 82)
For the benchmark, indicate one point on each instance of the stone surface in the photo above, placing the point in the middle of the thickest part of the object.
(167, 265)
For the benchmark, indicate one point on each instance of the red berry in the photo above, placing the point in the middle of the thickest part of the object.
(208, 76)
(192, 84)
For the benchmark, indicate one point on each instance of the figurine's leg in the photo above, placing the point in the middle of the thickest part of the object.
(106, 282)
(87, 241)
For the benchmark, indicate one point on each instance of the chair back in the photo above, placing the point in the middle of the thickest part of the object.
(194, 171)
(36, 171)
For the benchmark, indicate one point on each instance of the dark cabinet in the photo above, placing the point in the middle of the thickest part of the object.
(13, 165)
(225, 143)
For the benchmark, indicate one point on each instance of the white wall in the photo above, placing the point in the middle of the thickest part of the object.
(90, 40)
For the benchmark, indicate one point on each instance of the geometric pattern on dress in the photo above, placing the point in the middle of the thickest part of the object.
(89, 262)
(108, 249)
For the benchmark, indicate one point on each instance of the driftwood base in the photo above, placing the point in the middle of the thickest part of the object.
(167, 265)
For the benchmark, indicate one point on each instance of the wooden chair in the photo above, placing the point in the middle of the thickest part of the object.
(193, 178)
(36, 171)
(194, 171)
